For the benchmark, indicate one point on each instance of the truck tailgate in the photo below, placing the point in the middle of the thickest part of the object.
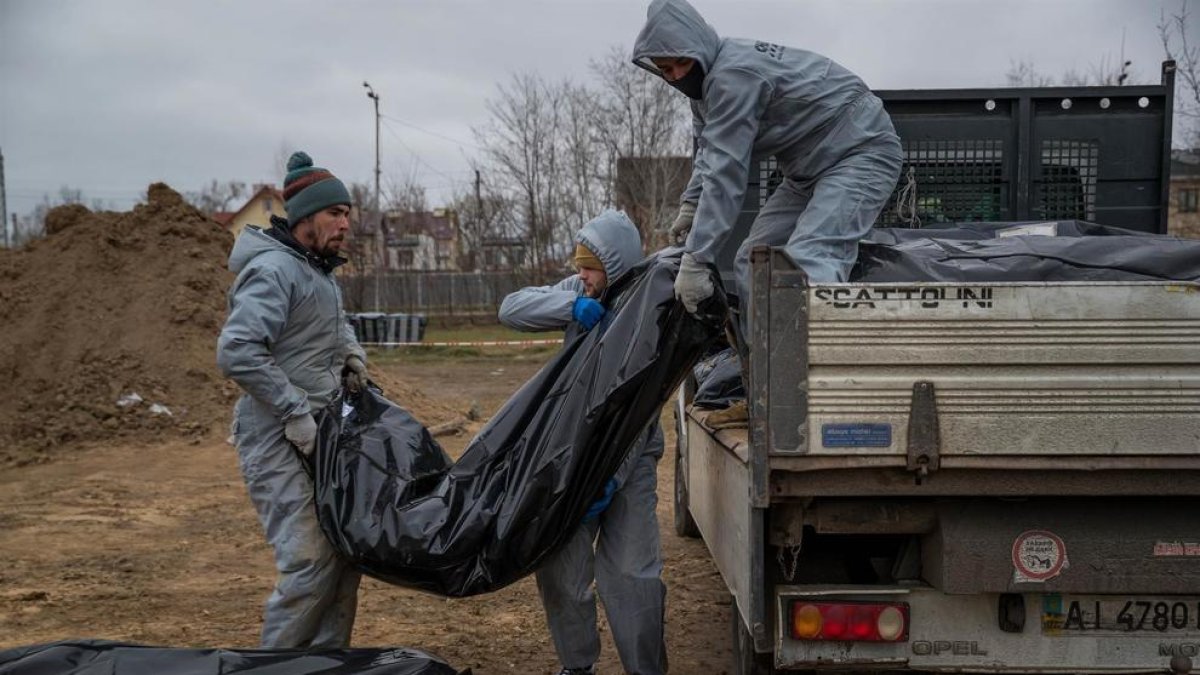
(1108, 369)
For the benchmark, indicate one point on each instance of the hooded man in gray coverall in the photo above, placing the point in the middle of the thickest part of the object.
(286, 343)
(830, 135)
(626, 561)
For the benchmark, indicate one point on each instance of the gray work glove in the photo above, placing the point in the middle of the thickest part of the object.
(678, 233)
(355, 373)
(693, 284)
(301, 431)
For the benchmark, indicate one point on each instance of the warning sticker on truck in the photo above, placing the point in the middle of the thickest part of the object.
(1038, 555)
(860, 435)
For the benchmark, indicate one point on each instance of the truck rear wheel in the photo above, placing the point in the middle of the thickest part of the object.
(685, 525)
(746, 661)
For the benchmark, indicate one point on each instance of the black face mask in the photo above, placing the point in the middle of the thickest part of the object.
(692, 84)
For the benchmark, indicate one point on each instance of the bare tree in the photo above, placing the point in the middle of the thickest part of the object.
(405, 195)
(1173, 31)
(586, 176)
(283, 152)
(1023, 73)
(520, 144)
(360, 249)
(217, 196)
(32, 225)
(482, 215)
(644, 126)
(555, 151)
(1105, 72)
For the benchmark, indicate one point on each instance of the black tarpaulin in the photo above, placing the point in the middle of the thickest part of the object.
(719, 381)
(391, 502)
(1034, 251)
(101, 657)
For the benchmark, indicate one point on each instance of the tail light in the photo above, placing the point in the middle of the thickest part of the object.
(850, 621)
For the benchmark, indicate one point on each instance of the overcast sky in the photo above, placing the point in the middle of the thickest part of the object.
(108, 96)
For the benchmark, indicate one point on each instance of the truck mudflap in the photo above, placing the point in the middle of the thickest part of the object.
(999, 633)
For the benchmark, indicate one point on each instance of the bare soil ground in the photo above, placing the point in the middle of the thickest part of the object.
(158, 544)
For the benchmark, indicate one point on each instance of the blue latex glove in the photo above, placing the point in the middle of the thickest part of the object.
(587, 312)
(598, 506)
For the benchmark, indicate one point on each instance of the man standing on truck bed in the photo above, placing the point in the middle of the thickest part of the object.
(626, 561)
(286, 343)
(832, 139)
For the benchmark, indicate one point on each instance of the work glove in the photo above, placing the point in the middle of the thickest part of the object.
(587, 311)
(598, 506)
(678, 233)
(301, 431)
(693, 284)
(354, 375)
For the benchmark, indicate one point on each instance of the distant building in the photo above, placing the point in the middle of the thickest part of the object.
(410, 240)
(423, 240)
(258, 209)
(502, 254)
(1183, 213)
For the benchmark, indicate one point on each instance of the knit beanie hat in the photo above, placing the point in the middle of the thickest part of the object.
(308, 189)
(585, 259)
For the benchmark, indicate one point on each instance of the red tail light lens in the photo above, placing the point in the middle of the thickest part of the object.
(850, 621)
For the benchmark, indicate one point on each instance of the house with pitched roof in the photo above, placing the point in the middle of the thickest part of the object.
(265, 202)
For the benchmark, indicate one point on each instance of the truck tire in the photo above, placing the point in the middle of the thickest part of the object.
(746, 661)
(685, 525)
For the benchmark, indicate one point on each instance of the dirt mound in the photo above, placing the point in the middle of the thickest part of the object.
(428, 410)
(62, 217)
(108, 309)
(110, 331)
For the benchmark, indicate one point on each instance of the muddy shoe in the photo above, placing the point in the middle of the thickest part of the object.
(732, 417)
(590, 670)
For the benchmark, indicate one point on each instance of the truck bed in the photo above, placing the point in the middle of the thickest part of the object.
(938, 383)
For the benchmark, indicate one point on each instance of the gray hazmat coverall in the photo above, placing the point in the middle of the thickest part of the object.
(626, 562)
(285, 342)
(831, 137)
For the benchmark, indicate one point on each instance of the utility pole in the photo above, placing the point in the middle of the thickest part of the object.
(4, 205)
(478, 196)
(380, 244)
(478, 224)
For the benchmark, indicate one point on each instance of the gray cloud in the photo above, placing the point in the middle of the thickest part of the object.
(109, 96)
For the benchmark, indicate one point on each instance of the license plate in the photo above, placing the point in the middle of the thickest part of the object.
(1066, 615)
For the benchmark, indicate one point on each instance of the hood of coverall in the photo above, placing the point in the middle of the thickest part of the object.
(675, 29)
(615, 240)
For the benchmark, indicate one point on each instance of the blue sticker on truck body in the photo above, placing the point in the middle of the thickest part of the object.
(856, 435)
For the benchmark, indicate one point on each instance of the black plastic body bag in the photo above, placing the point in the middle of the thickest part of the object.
(984, 252)
(91, 657)
(994, 252)
(390, 500)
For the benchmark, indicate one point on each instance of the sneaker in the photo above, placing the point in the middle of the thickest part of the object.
(589, 670)
(734, 416)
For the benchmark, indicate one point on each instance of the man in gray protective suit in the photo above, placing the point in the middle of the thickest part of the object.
(830, 135)
(626, 562)
(287, 343)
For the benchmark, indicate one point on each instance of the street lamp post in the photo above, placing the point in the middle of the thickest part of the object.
(379, 244)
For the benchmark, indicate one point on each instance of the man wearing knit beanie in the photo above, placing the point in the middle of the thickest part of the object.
(617, 544)
(287, 344)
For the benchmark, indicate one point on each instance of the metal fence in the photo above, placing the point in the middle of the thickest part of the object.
(432, 293)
